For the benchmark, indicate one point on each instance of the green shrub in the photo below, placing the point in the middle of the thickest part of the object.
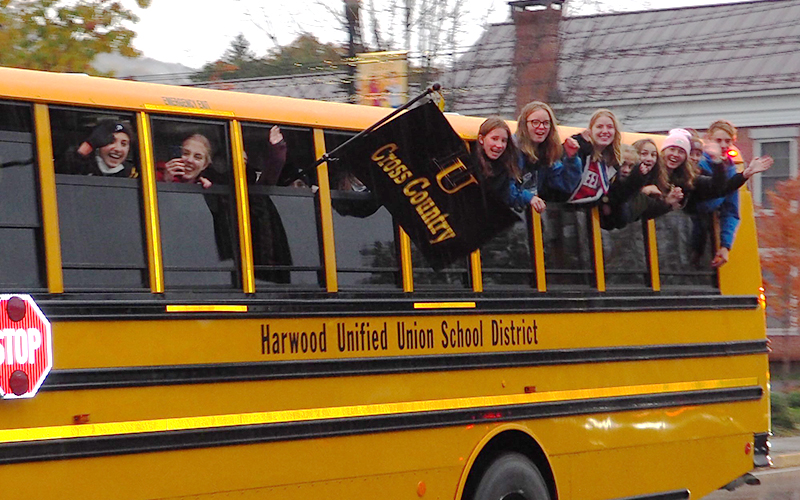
(782, 418)
(793, 399)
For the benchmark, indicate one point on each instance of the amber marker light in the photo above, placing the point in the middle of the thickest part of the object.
(762, 298)
(172, 308)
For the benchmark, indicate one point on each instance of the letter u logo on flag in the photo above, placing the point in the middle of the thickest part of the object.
(454, 178)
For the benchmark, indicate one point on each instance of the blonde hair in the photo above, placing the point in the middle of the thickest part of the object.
(611, 153)
(628, 152)
(723, 125)
(550, 149)
(202, 140)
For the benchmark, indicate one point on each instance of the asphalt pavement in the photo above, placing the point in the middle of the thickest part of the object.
(785, 451)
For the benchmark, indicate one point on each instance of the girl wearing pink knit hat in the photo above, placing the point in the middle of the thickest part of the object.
(679, 179)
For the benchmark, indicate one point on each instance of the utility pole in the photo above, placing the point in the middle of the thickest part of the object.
(351, 13)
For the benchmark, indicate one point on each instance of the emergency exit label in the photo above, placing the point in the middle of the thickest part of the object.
(26, 352)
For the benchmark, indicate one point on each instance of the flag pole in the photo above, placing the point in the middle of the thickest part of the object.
(331, 155)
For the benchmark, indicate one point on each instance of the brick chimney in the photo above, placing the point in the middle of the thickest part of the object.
(536, 49)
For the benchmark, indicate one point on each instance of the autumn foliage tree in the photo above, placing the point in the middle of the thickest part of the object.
(55, 35)
(779, 239)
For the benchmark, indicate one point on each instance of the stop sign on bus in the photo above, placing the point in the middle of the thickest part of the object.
(26, 352)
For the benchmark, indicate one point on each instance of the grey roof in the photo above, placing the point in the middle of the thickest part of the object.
(329, 86)
(483, 82)
(714, 49)
(690, 51)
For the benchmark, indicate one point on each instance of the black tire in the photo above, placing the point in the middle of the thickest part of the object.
(512, 476)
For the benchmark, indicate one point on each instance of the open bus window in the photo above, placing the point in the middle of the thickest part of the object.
(99, 200)
(196, 204)
(454, 275)
(507, 259)
(685, 251)
(364, 232)
(286, 247)
(625, 256)
(567, 239)
(21, 262)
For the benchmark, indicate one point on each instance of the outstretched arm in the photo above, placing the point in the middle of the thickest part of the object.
(276, 158)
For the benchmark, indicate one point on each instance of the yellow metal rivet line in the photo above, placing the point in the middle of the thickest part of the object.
(597, 242)
(406, 265)
(326, 215)
(652, 255)
(476, 271)
(370, 410)
(155, 258)
(538, 251)
(242, 208)
(47, 185)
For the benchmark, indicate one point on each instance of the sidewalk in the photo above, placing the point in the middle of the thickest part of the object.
(785, 451)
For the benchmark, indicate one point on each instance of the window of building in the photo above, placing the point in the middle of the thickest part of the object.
(781, 145)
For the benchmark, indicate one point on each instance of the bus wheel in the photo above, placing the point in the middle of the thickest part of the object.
(512, 476)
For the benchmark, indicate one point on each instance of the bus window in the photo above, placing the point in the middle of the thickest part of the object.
(196, 203)
(507, 259)
(454, 275)
(21, 262)
(567, 239)
(99, 200)
(286, 247)
(364, 232)
(625, 256)
(679, 264)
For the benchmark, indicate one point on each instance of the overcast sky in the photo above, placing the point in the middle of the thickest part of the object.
(194, 33)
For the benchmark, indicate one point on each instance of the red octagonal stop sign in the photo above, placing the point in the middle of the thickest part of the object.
(26, 347)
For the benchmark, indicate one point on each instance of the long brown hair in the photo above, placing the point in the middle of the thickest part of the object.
(610, 154)
(550, 150)
(509, 157)
(683, 176)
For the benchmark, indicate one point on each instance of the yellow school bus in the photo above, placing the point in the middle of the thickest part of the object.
(237, 339)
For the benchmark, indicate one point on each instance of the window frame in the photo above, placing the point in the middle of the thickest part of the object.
(773, 135)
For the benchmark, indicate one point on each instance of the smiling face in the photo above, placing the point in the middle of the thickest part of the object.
(196, 158)
(115, 153)
(648, 156)
(602, 131)
(722, 138)
(539, 125)
(674, 157)
(494, 143)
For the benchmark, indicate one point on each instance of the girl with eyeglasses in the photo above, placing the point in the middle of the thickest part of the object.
(548, 170)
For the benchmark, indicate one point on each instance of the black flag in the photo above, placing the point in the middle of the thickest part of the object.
(419, 168)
